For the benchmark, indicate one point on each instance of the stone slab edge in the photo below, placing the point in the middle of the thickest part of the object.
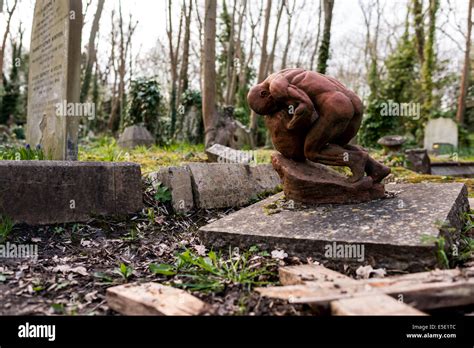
(390, 256)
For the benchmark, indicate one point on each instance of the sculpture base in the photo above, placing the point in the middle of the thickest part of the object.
(314, 183)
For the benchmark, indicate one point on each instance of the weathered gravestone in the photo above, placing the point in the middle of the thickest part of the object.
(54, 78)
(418, 160)
(50, 192)
(441, 130)
(223, 154)
(215, 185)
(136, 135)
(395, 233)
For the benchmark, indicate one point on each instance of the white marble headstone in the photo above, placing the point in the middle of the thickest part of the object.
(441, 130)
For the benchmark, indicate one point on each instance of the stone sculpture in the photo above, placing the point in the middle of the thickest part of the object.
(312, 118)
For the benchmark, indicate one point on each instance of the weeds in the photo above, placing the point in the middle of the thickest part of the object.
(124, 271)
(214, 271)
(26, 153)
(441, 255)
(6, 226)
(162, 193)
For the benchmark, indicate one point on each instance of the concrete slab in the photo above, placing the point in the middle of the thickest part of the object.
(222, 185)
(49, 192)
(223, 154)
(395, 233)
(178, 181)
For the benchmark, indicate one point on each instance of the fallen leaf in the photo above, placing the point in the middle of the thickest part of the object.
(365, 272)
(279, 254)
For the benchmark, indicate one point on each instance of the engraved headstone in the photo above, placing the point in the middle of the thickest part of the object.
(54, 77)
(441, 130)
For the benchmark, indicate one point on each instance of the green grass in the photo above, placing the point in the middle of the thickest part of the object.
(19, 153)
(6, 226)
(124, 271)
(106, 149)
(214, 271)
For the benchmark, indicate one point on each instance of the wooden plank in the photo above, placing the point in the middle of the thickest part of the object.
(426, 290)
(322, 277)
(373, 305)
(301, 274)
(153, 299)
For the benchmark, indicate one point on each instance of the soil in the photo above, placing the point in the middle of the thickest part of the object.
(77, 262)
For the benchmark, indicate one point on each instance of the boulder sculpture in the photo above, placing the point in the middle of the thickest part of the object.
(312, 118)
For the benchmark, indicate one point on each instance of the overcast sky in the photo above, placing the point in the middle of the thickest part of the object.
(347, 30)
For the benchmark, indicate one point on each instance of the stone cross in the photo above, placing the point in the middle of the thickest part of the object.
(54, 78)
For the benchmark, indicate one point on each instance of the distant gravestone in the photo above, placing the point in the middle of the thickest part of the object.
(441, 130)
(134, 136)
(54, 77)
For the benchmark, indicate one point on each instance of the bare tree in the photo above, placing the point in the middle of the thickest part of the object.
(318, 34)
(91, 51)
(325, 43)
(239, 55)
(174, 54)
(271, 57)
(261, 69)
(183, 74)
(10, 11)
(124, 42)
(371, 43)
(209, 72)
(289, 13)
(201, 45)
(419, 29)
(465, 73)
(230, 57)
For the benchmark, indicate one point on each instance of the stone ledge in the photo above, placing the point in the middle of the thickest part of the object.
(50, 192)
(215, 185)
(391, 230)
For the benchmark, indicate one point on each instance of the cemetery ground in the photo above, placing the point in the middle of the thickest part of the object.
(77, 262)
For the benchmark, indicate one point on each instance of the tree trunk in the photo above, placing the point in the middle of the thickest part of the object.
(230, 58)
(4, 41)
(261, 70)
(429, 62)
(209, 70)
(240, 55)
(91, 52)
(315, 50)
(114, 100)
(122, 67)
(183, 74)
(201, 46)
(288, 33)
(465, 73)
(271, 58)
(325, 44)
(419, 30)
(173, 52)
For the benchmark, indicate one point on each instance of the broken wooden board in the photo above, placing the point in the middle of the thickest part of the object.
(373, 305)
(426, 290)
(153, 299)
(301, 274)
(296, 277)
